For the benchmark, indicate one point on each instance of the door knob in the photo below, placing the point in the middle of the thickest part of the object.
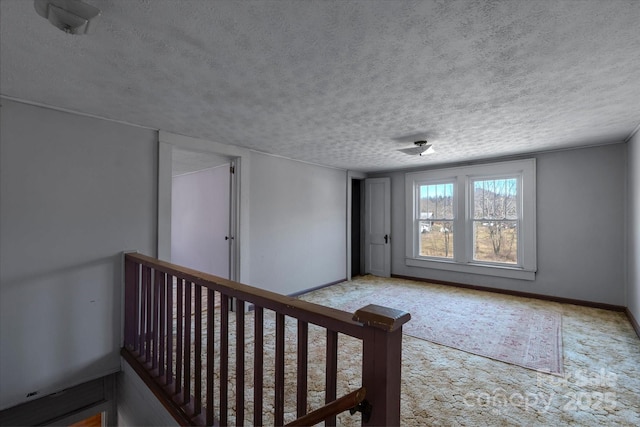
(386, 239)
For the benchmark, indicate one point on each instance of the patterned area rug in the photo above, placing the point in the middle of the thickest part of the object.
(501, 329)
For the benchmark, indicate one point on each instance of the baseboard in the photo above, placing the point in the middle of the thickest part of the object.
(633, 320)
(592, 304)
(251, 307)
(306, 291)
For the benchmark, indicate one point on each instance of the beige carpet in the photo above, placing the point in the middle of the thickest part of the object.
(505, 330)
(442, 386)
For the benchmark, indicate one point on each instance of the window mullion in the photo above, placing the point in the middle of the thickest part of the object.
(460, 219)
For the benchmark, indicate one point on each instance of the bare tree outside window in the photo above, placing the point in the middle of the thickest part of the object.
(435, 220)
(495, 220)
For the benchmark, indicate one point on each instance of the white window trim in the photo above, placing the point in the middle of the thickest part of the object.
(463, 258)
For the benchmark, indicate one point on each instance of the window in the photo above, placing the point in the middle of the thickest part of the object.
(473, 219)
(435, 220)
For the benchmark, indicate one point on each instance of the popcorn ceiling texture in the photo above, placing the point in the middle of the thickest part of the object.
(340, 83)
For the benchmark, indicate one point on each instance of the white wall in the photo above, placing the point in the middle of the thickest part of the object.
(580, 229)
(74, 193)
(633, 232)
(298, 224)
(200, 220)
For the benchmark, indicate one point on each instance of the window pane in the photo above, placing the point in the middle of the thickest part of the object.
(436, 201)
(495, 241)
(495, 199)
(436, 238)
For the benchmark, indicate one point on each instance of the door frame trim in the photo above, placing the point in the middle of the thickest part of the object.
(240, 266)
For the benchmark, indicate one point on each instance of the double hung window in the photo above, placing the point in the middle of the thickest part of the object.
(473, 219)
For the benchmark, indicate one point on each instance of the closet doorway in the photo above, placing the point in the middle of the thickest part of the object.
(202, 195)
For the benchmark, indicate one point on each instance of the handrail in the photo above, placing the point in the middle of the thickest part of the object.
(348, 401)
(289, 306)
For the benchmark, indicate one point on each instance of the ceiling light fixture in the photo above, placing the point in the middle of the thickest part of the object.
(420, 148)
(424, 148)
(71, 16)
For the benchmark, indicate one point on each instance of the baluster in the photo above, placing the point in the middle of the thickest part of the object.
(331, 372)
(258, 366)
(163, 324)
(303, 350)
(170, 319)
(197, 395)
(211, 327)
(224, 359)
(179, 333)
(146, 277)
(239, 362)
(279, 371)
(155, 337)
(186, 388)
(137, 308)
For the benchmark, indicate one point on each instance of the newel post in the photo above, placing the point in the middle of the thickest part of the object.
(382, 362)
(130, 288)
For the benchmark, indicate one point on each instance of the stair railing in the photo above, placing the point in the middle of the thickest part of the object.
(173, 315)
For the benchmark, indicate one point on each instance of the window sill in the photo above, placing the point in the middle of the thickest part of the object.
(498, 271)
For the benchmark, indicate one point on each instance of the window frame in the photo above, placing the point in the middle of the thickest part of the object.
(416, 215)
(462, 177)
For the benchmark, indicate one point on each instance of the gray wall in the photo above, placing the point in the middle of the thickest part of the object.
(74, 193)
(200, 220)
(298, 224)
(137, 405)
(77, 191)
(633, 232)
(580, 228)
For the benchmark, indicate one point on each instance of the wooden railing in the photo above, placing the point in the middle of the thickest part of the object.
(177, 334)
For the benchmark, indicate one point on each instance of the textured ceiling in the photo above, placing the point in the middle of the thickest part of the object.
(343, 83)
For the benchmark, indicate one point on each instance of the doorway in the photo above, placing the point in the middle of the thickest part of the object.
(201, 211)
(357, 244)
(377, 224)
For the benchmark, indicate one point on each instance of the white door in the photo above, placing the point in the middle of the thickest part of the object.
(200, 237)
(377, 237)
